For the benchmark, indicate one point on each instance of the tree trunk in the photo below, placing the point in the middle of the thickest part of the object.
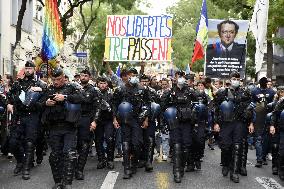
(83, 35)
(269, 58)
(20, 21)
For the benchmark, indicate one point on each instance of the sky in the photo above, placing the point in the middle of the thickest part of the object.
(158, 7)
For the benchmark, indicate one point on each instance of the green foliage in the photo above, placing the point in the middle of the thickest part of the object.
(97, 32)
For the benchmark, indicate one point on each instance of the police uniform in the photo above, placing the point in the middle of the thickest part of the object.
(105, 132)
(149, 132)
(89, 112)
(232, 113)
(61, 120)
(180, 99)
(130, 106)
(200, 120)
(277, 120)
(25, 120)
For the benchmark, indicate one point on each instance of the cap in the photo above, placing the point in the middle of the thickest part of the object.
(56, 72)
(29, 63)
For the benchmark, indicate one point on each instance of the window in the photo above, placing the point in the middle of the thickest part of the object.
(27, 20)
(38, 10)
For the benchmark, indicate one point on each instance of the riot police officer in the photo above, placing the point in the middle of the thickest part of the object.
(89, 112)
(149, 132)
(105, 129)
(277, 132)
(200, 120)
(179, 100)
(230, 120)
(130, 106)
(61, 114)
(261, 97)
(23, 104)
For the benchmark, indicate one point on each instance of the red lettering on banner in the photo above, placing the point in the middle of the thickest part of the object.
(123, 26)
(110, 24)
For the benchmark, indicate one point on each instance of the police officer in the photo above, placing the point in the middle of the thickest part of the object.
(61, 114)
(130, 107)
(105, 129)
(23, 104)
(230, 120)
(261, 97)
(149, 132)
(89, 112)
(180, 97)
(275, 120)
(200, 120)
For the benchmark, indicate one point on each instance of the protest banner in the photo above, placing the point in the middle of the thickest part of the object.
(138, 38)
(226, 50)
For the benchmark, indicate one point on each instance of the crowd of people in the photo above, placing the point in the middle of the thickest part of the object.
(132, 115)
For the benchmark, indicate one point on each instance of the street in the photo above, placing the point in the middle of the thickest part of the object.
(161, 178)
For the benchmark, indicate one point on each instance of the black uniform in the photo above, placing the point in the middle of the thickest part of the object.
(277, 120)
(149, 134)
(89, 112)
(131, 131)
(232, 113)
(181, 134)
(61, 120)
(105, 131)
(25, 122)
(200, 120)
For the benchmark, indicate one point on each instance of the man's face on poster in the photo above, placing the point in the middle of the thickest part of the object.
(228, 34)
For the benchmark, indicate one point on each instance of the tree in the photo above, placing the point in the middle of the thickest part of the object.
(97, 32)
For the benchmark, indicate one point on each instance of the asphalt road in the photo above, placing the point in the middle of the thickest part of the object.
(161, 178)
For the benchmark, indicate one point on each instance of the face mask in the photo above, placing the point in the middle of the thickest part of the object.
(235, 83)
(133, 80)
(180, 82)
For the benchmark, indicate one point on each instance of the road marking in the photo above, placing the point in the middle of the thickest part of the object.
(268, 183)
(162, 180)
(110, 180)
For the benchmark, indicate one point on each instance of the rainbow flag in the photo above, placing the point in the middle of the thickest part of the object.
(202, 35)
(52, 38)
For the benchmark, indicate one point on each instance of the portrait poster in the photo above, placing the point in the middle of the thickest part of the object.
(226, 50)
(138, 38)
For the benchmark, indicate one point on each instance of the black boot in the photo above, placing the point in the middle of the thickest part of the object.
(18, 169)
(275, 152)
(234, 175)
(136, 154)
(226, 157)
(189, 159)
(110, 154)
(69, 168)
(55, 161)
(177, 153)
(197, 159)
(82, 159)
(281, 167)
(126, 160)
(28, 160)
(244, 152)
(150, 153)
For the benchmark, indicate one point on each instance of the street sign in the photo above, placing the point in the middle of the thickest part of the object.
(81, 54)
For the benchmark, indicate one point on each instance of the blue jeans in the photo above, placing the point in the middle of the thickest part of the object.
(165, 144)
(258, 147)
